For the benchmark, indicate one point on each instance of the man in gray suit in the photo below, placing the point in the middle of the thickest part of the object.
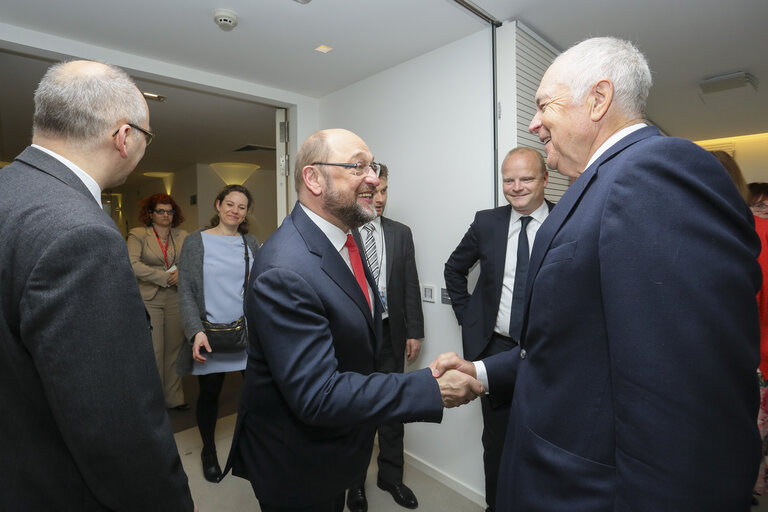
(84, 425)
(388, 249)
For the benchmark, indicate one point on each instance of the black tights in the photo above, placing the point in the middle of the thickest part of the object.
(208, 408)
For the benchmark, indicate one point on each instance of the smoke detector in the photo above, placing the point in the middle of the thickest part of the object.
(225, 19)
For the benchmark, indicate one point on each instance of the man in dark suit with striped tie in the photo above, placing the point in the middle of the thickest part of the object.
(388, 248)
(491, 317)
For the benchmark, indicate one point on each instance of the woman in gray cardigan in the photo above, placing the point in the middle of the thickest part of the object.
(211, 287)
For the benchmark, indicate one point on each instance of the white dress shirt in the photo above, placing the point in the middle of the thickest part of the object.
(510, 264)
(338, 239)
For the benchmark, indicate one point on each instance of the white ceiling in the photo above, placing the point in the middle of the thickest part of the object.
(684, 40)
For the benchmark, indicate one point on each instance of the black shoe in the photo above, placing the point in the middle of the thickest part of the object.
(182, 407)
(211, 469)
(402, 494)
(356, 500)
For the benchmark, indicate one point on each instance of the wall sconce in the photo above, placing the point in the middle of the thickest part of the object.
(167, 178)
(234, 173)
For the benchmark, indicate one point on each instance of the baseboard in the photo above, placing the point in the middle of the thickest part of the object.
(448, 481)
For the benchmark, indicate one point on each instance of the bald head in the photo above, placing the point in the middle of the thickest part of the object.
(318, 148)
(80, 101)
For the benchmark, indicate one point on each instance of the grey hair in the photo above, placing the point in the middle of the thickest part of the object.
(83, 107)
(315, 149)
(608, 57)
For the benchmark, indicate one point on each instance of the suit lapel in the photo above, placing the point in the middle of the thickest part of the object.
(332, 263)
(499, 236)
(389, 245)
(558, 216)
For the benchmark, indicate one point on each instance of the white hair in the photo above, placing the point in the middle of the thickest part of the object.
(617, 60)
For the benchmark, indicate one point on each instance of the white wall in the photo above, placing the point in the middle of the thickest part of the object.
(430, 120)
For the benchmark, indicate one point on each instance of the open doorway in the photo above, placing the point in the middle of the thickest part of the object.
(195, 127)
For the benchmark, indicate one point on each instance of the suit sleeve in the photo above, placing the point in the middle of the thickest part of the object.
(295, 336)
(685, 393)
(141, 269)
(85, 327)
(457, 268)
(414, 316)
(190, 285)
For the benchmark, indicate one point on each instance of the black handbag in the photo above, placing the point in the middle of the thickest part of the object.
(231, 337)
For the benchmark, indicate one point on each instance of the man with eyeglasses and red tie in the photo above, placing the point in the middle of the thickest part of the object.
(311, 401)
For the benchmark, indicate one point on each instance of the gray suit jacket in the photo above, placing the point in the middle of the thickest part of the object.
(84, 424)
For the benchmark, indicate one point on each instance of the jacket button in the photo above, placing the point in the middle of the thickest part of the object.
(523, 353)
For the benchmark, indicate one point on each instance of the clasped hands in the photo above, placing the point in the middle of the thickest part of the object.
(457, 379)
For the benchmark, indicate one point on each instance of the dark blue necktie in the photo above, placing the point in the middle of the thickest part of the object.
(521, 273)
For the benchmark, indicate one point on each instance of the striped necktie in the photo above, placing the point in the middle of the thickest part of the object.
(370, 251)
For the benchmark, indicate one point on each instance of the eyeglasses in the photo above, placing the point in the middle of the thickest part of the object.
(164, 212)
(357, 169)
(147, 134)
(759, 206)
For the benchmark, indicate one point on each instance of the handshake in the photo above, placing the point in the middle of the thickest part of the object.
(457, 379)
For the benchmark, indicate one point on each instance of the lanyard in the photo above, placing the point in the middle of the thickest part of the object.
(164, 249)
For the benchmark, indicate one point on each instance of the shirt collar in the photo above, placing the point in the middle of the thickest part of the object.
(376, 223)
(539, 213)
(613, 139)
(87, 180)
(336, 236)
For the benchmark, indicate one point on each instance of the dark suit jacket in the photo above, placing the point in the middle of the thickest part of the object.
(310, 404)
(485, 241)
(638, 389)
(406, 319)
(84, 425)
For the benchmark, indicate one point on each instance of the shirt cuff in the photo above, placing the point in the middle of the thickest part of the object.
(482, 375)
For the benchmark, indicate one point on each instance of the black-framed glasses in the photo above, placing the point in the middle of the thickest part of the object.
(160, 211)
(147, 134)
(761, 206)
(357, 169)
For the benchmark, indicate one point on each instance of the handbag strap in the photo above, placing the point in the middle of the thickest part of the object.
(247, 263)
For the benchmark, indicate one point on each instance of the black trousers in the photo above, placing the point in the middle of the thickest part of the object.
(334, 505)
(390, 459)
(495, 421)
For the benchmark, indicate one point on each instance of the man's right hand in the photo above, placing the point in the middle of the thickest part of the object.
(457, 388)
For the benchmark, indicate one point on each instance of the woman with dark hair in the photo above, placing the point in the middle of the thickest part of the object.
(154, 250)
(213, 273)
(758, 201)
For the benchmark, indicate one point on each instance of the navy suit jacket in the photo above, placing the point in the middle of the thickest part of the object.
(485, 241)
(310, 402)
(637, 389)
(406, 318)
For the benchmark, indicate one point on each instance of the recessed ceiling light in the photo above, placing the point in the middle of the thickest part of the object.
(302, 1)
(154, 97)
(323, 48)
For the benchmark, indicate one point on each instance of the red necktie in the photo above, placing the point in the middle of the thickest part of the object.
(357, 267)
